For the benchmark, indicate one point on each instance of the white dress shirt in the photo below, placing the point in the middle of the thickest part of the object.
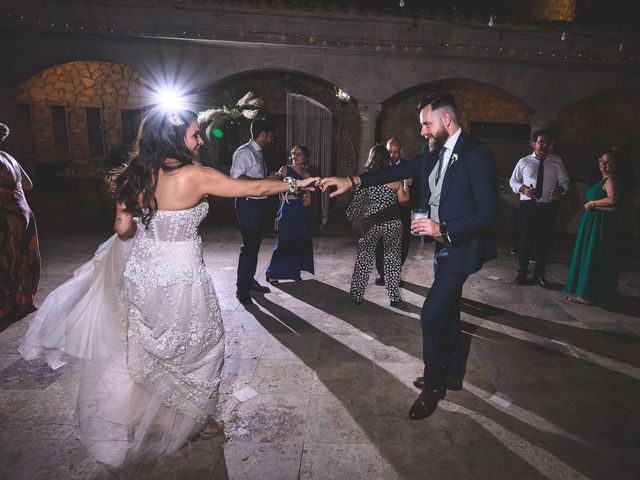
(526, 173)
(247, 160)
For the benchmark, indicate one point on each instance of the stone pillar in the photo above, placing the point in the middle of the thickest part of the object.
(369, 113)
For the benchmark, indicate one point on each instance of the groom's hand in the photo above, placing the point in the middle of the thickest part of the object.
(341, 185)
(425, 226)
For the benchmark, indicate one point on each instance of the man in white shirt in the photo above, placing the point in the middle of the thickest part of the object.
(248, 162)
(541, 179)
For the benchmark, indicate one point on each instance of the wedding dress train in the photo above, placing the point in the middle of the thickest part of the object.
(143, 318)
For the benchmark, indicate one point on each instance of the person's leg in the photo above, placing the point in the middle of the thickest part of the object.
(380, 258)
(545, 228)
(392, 259)
(526, 226)
(406, 236)
(453, 361)
(440, 331)
(364, 260)
(249, 215)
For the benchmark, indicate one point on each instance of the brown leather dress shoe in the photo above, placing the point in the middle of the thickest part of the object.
(452, 383)
(426, 403)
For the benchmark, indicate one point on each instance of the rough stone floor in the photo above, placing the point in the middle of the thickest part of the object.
(316, 387)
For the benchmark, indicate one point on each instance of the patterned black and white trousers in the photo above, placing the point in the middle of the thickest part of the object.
(390, 232)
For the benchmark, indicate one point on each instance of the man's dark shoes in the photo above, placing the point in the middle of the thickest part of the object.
(542, 282)
(452, 383)
(256, 287)
(520, 280)
(244, 298)
(426, 403)
(380, 281)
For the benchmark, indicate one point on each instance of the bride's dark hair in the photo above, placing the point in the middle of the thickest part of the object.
(160, 137)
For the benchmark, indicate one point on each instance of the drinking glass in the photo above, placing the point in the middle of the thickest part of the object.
(418, 213)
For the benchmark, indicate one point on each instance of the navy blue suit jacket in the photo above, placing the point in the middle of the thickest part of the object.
(468, 202)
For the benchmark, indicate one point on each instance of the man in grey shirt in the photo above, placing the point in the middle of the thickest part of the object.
(248, 162)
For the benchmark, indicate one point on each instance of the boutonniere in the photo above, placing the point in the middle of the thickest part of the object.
(454, 158)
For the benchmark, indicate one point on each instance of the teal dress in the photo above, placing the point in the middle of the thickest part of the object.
(593, 275)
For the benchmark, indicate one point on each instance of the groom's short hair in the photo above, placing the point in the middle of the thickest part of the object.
(440, 99)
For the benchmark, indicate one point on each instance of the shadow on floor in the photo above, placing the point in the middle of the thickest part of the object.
(384, 420)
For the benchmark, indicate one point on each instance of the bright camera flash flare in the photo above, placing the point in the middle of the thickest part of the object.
(170, 100)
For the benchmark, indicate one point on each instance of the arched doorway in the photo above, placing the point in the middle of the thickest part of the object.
(274, 87)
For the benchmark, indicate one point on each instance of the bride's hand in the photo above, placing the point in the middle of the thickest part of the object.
(308, 184)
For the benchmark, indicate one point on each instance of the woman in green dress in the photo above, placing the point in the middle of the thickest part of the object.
(593, 276)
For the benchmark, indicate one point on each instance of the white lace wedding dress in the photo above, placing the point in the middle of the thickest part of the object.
(144, 319)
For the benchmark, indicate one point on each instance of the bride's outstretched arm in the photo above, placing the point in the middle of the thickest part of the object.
(209, 181)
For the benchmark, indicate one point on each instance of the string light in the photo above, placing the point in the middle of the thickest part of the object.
(594, 51)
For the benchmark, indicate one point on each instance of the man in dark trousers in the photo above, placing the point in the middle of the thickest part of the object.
(394, 148)
(248, 162)
(459, 186)
(540, 178)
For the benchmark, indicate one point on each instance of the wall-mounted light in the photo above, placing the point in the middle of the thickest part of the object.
(492, 20)
(563, 37)
(343, 96)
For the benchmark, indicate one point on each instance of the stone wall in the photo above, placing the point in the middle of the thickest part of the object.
(76, 85)
(596, 123)
(593, 125)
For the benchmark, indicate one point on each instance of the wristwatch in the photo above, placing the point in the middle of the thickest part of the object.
(444, 232)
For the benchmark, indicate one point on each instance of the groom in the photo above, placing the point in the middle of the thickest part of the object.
(459, 188)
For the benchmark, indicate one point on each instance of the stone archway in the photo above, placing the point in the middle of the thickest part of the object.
(273, 86)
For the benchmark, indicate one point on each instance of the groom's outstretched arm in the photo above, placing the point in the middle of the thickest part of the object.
(377, 177)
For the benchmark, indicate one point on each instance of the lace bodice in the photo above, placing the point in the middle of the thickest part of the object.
(175, 225)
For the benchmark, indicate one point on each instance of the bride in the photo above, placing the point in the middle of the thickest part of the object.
(143, 315)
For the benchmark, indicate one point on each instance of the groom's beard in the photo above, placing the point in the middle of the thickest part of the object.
(437, 141)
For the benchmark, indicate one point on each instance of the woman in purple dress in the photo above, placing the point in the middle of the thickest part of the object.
(293, 252)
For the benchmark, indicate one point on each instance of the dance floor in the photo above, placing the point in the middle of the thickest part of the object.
(316, 387)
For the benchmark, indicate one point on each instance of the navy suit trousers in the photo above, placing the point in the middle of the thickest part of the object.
(250, 214)
(440, 319)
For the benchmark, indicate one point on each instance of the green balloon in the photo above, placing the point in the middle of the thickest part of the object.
(217, 133)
